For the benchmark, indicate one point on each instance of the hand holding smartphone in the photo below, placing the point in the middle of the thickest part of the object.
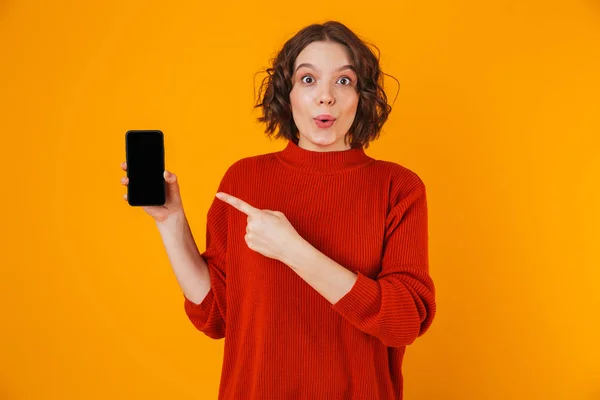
(149, 185)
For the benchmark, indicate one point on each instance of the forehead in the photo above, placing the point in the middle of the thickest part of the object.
(323, 56)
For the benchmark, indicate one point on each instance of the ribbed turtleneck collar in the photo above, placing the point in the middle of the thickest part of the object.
(325, 162)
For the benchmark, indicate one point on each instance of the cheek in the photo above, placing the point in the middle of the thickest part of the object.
(299, 101)
(351, 104)
(294, 100)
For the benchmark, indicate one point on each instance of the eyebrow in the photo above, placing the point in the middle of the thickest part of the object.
(343, 67)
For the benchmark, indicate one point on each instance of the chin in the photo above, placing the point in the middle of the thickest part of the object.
(329, 137)
(323, 140)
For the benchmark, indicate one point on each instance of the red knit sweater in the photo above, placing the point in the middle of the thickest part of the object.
(283, 339)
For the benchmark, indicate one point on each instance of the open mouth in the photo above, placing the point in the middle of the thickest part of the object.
(324, 123)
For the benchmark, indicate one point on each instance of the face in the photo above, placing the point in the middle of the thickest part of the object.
(323, 87)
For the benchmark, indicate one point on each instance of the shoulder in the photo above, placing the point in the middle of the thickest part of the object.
(242, 168)
(399, 176)
(402, 184)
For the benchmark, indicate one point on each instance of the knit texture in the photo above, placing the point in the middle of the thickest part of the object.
(283, 339)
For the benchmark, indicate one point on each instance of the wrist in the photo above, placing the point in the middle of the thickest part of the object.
(175, 220)
(298, 252)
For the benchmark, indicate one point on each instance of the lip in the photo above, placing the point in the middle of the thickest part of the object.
(328, 117)
(324, 124)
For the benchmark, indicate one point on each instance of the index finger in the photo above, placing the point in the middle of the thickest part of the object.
(237, 203)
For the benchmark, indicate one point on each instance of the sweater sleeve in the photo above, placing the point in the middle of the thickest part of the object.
(399, 305)
(209, 316)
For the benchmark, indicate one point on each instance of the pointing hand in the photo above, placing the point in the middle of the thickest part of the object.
(267, 232)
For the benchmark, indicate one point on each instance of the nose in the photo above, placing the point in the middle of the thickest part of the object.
(325, 96)
(326, 99)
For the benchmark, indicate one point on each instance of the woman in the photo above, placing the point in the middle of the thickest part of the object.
(316, 263)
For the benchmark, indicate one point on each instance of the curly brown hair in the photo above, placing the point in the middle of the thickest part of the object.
(274, 94)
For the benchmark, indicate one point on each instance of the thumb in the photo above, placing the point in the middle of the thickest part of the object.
(172, 185)
(170, 177)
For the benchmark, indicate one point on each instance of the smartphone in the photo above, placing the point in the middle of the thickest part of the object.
(145, 156)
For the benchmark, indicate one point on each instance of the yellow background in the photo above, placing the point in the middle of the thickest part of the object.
(498, 112)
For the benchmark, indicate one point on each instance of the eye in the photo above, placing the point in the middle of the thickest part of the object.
(343, 77)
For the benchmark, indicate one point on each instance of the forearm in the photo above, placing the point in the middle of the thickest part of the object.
(325, 275)
(190, 269)
(397, 308)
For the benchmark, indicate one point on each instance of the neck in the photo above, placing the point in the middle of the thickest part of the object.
(332, 161)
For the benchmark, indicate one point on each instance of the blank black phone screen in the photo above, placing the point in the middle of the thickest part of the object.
(145, 156)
